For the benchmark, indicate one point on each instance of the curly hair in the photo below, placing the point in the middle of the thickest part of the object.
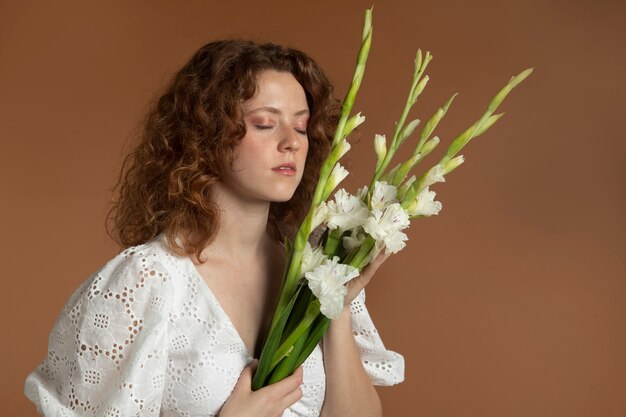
(189, 140)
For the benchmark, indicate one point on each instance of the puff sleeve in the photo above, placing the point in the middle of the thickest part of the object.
(383, 366)
(107, 352)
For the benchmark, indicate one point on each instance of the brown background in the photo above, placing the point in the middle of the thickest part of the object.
(510, 303)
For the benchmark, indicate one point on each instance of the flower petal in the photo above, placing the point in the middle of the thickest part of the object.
(327, 283)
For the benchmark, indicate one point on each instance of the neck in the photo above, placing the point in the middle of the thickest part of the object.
(243, 226)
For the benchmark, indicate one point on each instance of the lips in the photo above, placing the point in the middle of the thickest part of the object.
(288, 168)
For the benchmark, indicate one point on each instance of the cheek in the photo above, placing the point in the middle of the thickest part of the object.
(248, 153)
(303, 155)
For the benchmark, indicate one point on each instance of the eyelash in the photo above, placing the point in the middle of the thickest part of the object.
(263, 127)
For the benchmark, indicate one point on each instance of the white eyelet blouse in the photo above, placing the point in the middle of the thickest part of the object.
(145, 336)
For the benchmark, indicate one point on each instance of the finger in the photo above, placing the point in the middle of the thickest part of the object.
(354, 288)
(373, 266)
(245, 378)
(382, 257)
(254, 363)
(368, 272)
(291, 398)
(299, 372)
(244, 383)
(285, 386)
(357, 284)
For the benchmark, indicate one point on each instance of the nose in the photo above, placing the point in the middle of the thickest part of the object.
(291, 140)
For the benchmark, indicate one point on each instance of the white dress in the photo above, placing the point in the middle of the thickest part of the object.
(145, 336)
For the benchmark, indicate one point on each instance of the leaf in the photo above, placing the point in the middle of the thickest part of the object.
(288, 364)
(317, 332)
(270, 346)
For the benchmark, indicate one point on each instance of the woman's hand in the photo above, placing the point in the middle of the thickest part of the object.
(357, 284)
(270, 401)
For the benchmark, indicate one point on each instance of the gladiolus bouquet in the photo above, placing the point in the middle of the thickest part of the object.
(358, 227)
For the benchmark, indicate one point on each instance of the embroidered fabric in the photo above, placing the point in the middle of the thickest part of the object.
(145, 336)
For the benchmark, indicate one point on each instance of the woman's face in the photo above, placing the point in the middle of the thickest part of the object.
(271, 156)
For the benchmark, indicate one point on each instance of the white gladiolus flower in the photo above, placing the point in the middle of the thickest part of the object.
(338, 174)
(383, 195)
(311, 259)
(319, 216)
(410, 181)
(361, 193)
(352, 123)
(346, 211)
(355, 239)
(435, 174)
(385, 227)
(425, 204)
(345, 147)
(327, 283)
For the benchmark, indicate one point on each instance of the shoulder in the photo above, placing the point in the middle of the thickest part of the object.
(112, 333)
(139, 276)
(135, 267)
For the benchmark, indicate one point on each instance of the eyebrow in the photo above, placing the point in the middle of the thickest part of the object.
(277, 111)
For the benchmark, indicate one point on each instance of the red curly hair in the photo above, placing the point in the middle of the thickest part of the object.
(189, 140)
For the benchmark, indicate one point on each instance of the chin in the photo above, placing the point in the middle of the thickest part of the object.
(282, 198)
(281, 194)
(285, 195)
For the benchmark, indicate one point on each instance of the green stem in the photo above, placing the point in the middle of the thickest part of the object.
(414, 92)
(348, 101)
(304, 230)
(332, 242)
(487, 119)
(358, 259)
(298, 311)
(317, 333)
(285, 348)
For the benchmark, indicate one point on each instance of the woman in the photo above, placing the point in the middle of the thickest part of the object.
(224, 171)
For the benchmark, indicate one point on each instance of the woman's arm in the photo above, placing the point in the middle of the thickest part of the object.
(108, 349)
(349, 390)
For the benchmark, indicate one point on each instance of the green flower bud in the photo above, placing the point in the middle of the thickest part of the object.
(380, 147)
(409, 129)
(430, 145)
(453, 164)
(352, 123)
(338, 174)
